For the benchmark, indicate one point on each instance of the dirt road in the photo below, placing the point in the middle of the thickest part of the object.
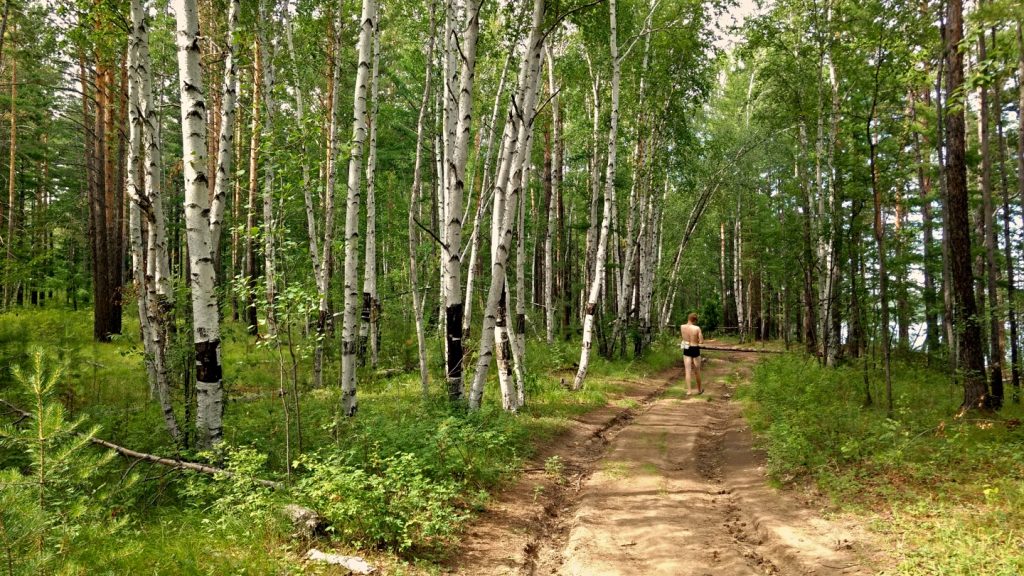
(671, 486)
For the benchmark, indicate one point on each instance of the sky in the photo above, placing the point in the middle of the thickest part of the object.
(735, 16)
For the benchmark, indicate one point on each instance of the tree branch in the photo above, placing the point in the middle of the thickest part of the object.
(173, 463)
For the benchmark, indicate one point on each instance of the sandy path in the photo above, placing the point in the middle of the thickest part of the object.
(671, 486)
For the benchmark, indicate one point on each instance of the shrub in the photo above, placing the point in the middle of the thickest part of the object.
(391, 504)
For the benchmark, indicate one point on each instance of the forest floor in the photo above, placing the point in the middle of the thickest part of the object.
(661, 483)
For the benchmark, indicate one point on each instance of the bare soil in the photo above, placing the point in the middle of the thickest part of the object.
(668, 484)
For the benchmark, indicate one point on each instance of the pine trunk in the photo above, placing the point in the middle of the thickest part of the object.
(969, 335)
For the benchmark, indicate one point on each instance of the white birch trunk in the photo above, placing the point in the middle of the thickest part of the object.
(503, 350)
(158, 274)
(205, 321)
(519, 328)
(516, 333)
(609, 195)
(456, 185)
(227, 131)
(269, 247)
(593, 230)
(737, 279)
(370, 306)
(482, 205)
(645, 290)
(135, 191)
(414, 202)
(520, 120)
(552, 207)
(322, 260)
(349, 336)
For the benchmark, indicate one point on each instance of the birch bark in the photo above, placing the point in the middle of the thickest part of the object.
(370, 304)
(1011, 287)
(158, 275)
(549, 238)
(593, 231)
(414, 202)
(456, 185)
(482, 205)
(996, 353)
(267, 56)
(135, 191)
(251, 310)
(227, 130)
(322, 260)
(205, 321)
(1020, 159)
(609, 194)
(349, 336)
(520, 122)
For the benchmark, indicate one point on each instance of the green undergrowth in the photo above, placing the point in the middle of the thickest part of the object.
(945, 490)
(398, 482)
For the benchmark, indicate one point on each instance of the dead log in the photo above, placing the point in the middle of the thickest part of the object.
(756, 350)
(354, 564)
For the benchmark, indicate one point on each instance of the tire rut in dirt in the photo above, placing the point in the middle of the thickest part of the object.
(709, 451)
(543, 553)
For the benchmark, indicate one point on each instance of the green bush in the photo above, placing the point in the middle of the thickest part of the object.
(390, 504)
(945, 486)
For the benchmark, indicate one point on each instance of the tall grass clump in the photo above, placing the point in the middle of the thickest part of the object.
(945, 488)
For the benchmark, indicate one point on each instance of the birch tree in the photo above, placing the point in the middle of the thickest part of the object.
(518, 124)
(205, 321)
(370, 303)
(350, 326)
(609, 195)
(321, 256)
(456, 170)
(267, 55)
(549, 237)
(482, 204)
(149, 249)
(227, 130)
(415, 198)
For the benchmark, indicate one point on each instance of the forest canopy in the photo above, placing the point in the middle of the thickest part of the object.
(288, 202)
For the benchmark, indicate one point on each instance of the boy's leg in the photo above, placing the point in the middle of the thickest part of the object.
(688, 364)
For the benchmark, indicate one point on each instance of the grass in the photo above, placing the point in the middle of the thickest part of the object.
(945, 492)
(404, 456)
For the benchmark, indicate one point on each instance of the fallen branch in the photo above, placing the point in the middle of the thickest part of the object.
(353, 564)
(172, 463)
(757, 350)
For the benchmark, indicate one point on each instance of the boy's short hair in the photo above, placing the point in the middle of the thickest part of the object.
(692, 317)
